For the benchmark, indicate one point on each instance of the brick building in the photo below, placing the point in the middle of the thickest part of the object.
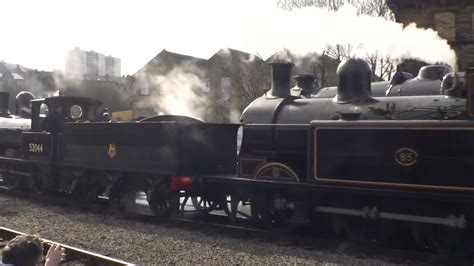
(453, 19)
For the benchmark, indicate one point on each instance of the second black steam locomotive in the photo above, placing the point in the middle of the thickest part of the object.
(352, 158)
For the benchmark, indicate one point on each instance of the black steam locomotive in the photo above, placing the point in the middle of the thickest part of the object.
(352, 158)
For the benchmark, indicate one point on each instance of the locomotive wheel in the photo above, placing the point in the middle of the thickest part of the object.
(210, 205)
(163, 201)
(257, 207)
(271, 210)
(423, 235)
(234, 208)
(86, 192)
(452, 241)
(127, 202)
(40, 181)
(12, 181)
(198, 203)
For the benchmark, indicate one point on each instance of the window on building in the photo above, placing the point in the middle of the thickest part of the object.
(206, 85)
(226, 86)
(445, 25)
(145, 89)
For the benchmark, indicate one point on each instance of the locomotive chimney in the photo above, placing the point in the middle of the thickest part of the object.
(4, 103)
(281, 74)
(353, 81)
(304, 84)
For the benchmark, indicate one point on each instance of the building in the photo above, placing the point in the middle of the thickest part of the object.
(91, 65)
(214, 89)
(236, 79)
(453, 19)
(157, 84)
(15, 78)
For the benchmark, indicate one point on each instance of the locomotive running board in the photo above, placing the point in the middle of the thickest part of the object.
(373, 213)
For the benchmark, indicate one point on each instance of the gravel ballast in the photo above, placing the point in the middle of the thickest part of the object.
(142, 243)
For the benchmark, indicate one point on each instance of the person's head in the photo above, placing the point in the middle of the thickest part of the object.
(24, 250)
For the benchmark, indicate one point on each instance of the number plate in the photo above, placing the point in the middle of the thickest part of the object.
(35, 147)
(406, 156)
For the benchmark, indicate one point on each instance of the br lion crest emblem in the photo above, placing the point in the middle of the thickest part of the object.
(112, 151)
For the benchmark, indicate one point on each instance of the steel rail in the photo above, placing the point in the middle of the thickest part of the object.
(72, 253)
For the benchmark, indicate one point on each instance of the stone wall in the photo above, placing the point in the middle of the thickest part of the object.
(454, 21)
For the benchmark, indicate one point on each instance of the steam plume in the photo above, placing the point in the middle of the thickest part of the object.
(137, 30)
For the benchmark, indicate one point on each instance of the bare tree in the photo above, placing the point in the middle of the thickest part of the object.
(341, 52)
(322, 70)
(241, 78)
(333, 5)
(250, 80)
(381, 67)
(376, 8)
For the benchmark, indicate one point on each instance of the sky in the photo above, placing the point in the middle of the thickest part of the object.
(37, 34)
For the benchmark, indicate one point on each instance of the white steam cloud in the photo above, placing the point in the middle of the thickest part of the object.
(137, 30)
(180, 93)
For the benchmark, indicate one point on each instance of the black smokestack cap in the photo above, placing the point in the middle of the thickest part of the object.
(353, 81)
(281, 74)
(305, 83)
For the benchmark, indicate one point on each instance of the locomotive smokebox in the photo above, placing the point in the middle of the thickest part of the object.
(281, 74)
(305, 84)
(354, 81)
(4, 103)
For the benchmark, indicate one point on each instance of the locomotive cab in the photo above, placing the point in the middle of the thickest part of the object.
(51, 114)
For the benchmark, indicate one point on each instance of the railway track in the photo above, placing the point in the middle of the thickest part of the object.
(73, 255)
(242, 229)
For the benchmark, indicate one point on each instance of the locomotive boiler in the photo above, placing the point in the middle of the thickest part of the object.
(431, 80)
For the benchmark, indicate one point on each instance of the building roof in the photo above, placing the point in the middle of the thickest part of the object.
(14, 69)
(17, 76)
(232, 52)
(177, 58)
(3, 68)
(17, 68)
